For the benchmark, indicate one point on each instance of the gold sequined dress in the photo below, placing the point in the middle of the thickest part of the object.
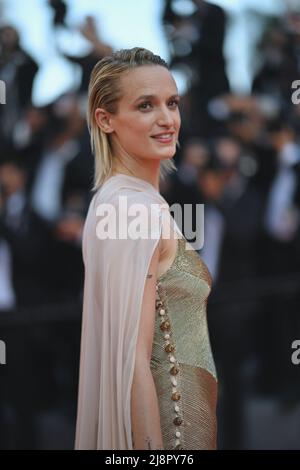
(182, 363)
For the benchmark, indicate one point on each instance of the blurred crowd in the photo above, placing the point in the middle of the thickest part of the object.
(239, 155)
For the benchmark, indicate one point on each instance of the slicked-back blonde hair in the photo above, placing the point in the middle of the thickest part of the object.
(105, 92)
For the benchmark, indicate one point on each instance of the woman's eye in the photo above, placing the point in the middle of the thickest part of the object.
(147, 104)
(144, 105)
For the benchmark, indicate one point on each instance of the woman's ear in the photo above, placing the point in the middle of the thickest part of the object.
(103, 120)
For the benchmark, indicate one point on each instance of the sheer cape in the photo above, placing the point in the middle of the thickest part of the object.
(115, 275)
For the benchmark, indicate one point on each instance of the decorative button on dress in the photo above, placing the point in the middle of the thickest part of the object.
(182, 363)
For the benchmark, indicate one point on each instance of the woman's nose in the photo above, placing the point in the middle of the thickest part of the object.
(165, 117)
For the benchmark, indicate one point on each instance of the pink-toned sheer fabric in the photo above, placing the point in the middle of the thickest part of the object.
(115, 275)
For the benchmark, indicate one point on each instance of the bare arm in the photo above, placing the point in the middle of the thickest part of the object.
(145, 417)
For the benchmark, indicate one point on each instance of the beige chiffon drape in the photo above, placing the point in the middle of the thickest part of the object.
(115, 274)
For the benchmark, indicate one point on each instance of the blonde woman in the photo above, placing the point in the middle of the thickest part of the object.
(147, 374)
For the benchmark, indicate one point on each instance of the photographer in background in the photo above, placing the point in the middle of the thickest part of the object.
(23, 236)
(17, 70)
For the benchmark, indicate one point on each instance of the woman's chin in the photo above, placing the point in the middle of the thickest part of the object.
(166, 154)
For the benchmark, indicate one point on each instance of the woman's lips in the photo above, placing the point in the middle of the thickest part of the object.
(164, 138)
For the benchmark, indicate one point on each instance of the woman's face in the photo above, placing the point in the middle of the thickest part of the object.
(147, 122)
